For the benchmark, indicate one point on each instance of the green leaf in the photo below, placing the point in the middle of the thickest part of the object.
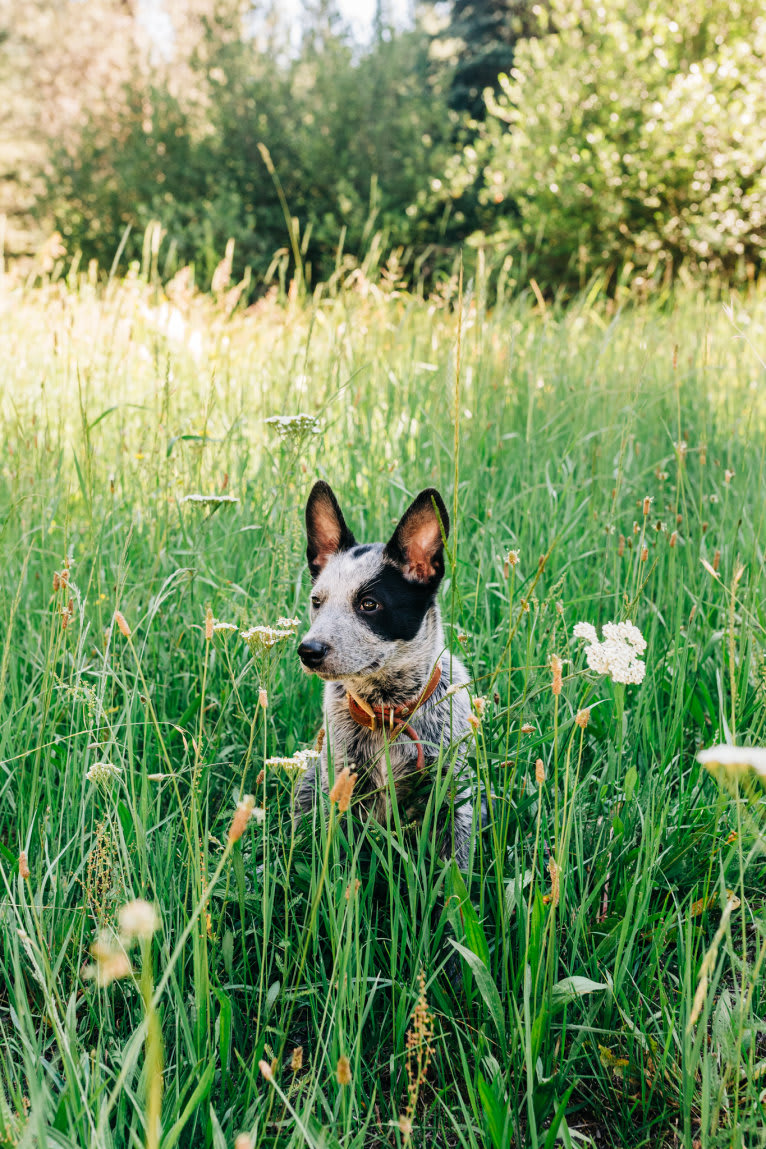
(496, 1114)
(570, 988)
(558, 1117)
(464, 916)
(630, 783)
(199, 1094)
(485, 986)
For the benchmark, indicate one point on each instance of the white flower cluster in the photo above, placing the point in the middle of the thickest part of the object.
(617, 654)
(298, 764)
(295, 426)
(214, 499)
(288, 624)
(264, 637)
(224, 626)
(102, 773)
(731, 761)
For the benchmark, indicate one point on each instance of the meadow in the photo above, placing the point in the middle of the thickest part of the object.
(605, 462)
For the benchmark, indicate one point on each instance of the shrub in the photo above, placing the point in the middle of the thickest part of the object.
(633, 134)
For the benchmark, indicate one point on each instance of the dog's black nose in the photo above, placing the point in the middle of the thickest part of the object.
(311, 652)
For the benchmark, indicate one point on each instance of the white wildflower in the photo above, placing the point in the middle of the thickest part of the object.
(585, 630)
(102, 773)
(224, 626)
(288, 623)
(295, 426)
(264, 637)
(210, 499)
(298, 764)
(734, 760)
(617, 655)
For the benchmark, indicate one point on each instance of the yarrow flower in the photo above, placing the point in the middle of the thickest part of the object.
(617, 653)
(288, 623)
(264, 637)
(295, 426)
(224, 626)
(102, 773)
(734, 761)
(210, 499)
(298, 764)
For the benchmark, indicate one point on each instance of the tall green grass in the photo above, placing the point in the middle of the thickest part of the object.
(595, 893)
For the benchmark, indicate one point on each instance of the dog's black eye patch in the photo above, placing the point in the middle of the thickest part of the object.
(404, 605)
(362, 549)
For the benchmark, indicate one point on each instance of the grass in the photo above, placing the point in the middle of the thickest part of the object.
(616, 872)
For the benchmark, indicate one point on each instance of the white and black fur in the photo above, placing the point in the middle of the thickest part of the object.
(376, 631)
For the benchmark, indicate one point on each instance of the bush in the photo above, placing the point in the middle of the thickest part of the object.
(352, 140)
(634, 134)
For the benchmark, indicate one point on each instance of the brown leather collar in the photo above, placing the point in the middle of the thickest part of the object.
(394, 718)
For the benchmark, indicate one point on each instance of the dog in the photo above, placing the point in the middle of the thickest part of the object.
(393, 692)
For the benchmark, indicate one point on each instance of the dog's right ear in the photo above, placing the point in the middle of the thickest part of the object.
(326, 529)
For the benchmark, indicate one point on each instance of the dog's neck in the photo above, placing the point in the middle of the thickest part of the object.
(404, 677)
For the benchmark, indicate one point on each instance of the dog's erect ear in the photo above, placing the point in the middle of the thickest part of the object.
(416, 545)
(326, 528)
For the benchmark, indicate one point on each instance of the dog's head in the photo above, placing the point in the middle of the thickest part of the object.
(371, 604)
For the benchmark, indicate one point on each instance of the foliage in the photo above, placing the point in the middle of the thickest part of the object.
(351, 142)
(608, 982)
(632, 134)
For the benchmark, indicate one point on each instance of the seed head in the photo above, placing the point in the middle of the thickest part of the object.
(243, 1142)
(111, 962)
(539, 771)
(405, 1125)
(582, 717)
(241, 817)
(343, 1070)
(621, 546)
(480, 705)
(555, 871)
(644, 554)
(296, 1061)
(716, 560)
(343, 789)
(556, 668)
(209, 620)
(474, 721)
(266, 1070)
(673, 539)
(138, 921)
(527, 728)
(122, 623)
(263, 698)
(23, 865)
(647, 505)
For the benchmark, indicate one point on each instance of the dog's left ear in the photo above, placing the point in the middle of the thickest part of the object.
(416, 545)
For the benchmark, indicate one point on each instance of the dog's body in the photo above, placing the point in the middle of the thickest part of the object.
(377, 640)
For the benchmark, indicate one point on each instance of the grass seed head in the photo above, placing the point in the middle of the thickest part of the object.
(539, 772)
(556, 668)
(266, 1070)
(111, 962)
(296, 1061)
(209, 625)
(23, 865)
(122, 623)
(343, 789)
(343, 1070)
(263, 699)
(139, 921)
(241, 817)
(582, 717)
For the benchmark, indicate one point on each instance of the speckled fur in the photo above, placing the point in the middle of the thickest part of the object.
(388, 673)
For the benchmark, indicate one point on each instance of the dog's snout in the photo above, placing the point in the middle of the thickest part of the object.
(311, 652)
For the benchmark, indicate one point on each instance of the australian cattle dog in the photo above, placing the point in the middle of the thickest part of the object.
(394, 693)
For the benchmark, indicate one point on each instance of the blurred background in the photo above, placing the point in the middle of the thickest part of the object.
(559, 141)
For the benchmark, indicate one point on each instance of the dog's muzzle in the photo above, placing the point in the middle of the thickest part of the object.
(312, 653)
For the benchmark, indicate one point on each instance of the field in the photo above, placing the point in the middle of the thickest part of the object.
(611, 932)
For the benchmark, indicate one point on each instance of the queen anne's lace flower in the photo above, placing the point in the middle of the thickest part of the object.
(298, 764)
(264, 637)
(295, 426)
(732, 761)
(214, 499)
(617, 655)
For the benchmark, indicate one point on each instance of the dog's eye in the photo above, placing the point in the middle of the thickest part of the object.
(316, 601)
(368, 605)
